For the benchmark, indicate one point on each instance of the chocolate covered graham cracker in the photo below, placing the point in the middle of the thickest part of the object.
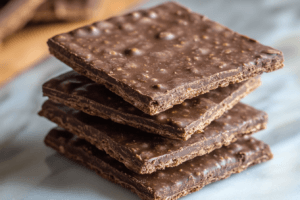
(179, 122)
(145, 153)
(171, 183)
(66, 10)
(157, 58)
(14, 14)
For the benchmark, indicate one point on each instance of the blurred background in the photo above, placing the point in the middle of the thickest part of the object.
(29, 170)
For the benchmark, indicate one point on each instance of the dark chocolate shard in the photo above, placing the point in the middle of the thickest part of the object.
(171, 183)
(146, 153)
(159, 57)
(179, 122)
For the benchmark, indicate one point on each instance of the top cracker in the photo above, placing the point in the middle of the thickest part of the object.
(159, 57)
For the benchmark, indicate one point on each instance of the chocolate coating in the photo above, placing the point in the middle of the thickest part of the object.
(179, 122)
(145, 153)
(171, 183)
(157, 58)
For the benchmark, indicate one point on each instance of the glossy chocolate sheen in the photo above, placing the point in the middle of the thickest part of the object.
(66, 10)
(171, 183)
(145, 153)
(14, 14)
(179, 122)
(159, 57)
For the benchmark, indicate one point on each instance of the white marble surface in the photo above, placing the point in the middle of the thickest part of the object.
(29, 170)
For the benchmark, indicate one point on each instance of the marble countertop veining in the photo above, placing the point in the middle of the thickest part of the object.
(31, 171)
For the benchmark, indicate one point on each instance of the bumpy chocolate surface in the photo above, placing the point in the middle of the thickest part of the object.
(179, 122)
(171, 183)
(159, 57)
(66, 10)
(145, 153)
(14, 14)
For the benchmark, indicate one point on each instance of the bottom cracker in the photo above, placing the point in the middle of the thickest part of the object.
(171, 183)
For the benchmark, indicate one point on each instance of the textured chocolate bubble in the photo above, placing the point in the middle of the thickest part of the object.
(182, 22)
(193, 70)
(73, 46)
(136, 15)
(88, 57)
(166, 36)
(133, 52)
(152, 14)
(227, 51)
(154, 79)
(94, 31)
(130, 65)
(163, 55)
(127, 27)
(163, 71)
(80, 33)
(162, 118)
(271, 51)
(205, 37)
(159, 86)
(196, 58)
(146, 20)
(61, 38)
(249, 39)
(202, 51)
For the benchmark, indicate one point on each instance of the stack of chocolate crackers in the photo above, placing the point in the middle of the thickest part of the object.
(153, 101)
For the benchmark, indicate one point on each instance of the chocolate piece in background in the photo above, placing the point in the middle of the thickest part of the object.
(3, 3)
(171, 183)
(66, 10)
(33, 39)
(145, 153)
(179, 122)
(14, 14)
(157, 58)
